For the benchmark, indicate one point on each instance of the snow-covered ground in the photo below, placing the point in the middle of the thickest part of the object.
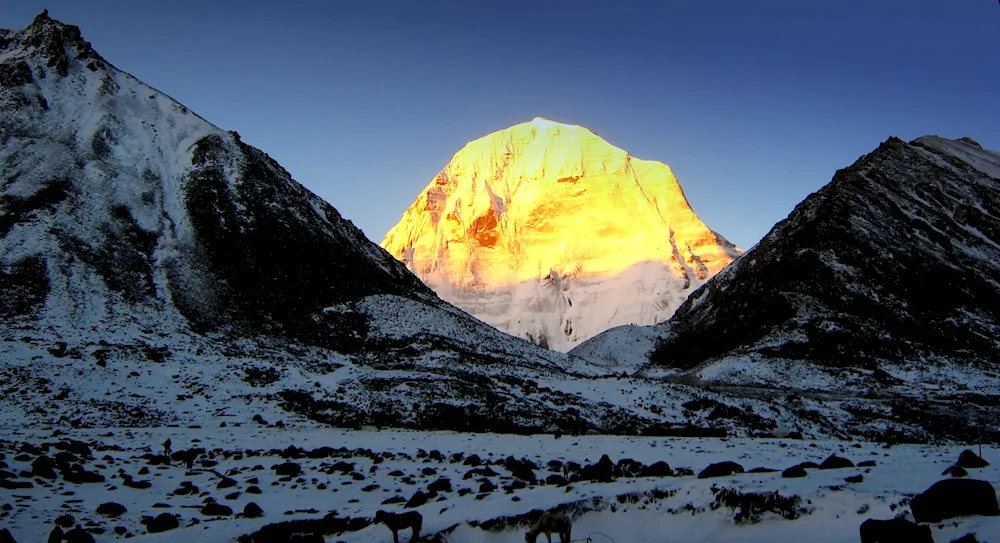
(831, 510)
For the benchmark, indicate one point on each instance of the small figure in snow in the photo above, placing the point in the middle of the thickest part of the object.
(400, 521)
(166, 447)
(550, 523)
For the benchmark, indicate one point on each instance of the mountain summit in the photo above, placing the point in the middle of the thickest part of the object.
(547, 231)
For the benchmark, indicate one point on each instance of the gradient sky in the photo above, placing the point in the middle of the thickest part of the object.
(754, 104)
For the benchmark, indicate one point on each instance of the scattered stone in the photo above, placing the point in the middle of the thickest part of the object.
(252, 510)
(794, 472)
(65, 521)
(160, 523)
(111, 509)
(955, 471)
(78, 535)
(253, 489)
(216, 510)
(44, 467)
(226, 483)
(762, 470)
(720, 469)
(866, 464)
(897, 529)
(657, 469)
(967, 538)
(441, 485)
(418, 499)
(394, 499)
(855, 478)
(836, 462)
(951, 498)
(288, 469)
(970, 460)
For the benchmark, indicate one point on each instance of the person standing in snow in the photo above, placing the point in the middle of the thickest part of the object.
(166, 447)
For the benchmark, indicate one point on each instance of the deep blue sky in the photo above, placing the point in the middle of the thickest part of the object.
(755, 104)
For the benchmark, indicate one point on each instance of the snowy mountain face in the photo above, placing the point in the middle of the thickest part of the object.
(546, 231)
(149, 256)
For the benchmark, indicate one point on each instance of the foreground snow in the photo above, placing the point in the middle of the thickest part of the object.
(833, 509)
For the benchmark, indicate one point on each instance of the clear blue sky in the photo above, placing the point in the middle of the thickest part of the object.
(754, 103)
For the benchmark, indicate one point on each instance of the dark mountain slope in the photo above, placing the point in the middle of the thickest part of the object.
(896, 260)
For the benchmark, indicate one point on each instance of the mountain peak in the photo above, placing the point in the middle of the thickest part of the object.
(57, 42)
(547, 231)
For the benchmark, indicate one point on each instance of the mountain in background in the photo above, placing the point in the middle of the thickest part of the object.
(546, 231)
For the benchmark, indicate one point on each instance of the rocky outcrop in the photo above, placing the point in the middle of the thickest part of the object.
(547, 231)
(896, 260)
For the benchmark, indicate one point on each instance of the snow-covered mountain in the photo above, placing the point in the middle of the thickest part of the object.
(891, 270)
(134, 233)
(548, 232)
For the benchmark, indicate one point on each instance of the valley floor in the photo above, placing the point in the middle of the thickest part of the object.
(354, 482)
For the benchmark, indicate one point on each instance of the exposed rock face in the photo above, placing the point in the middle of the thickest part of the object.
(895, 261)
(549, 232)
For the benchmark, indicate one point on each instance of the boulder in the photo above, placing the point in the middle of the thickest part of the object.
(252, 510)
(441, 485)
(288, 469)
(967, 538)
(111, 509)
(955, 471)
(657, 469)
(78, 535)
(418, 499)
(5, 536)
(894, 530)
(65, 521)
(44, 467)
(720, 469)
(970, 460)
(794, 472)
(160, 523)
(955, 498)
(836, 462)
(213, 509)
(855, 478)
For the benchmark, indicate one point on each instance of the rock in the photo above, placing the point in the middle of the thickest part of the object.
(970, 460)
(487, 486)
(557, 480)
(253, 489)
(111, 509)
(252, 510)
(56, 535)
(44, 467)
(967, 538)
(808, 465)
(895, 530)
(794, 472)
(394, 499)
(657, 469)
(866, 464)
(6, 537)
(160, 523)
(288, 469)
(836, 462)
(762, 470)
(428, 471)
(472, 460)
(140, 485)
(65, 521)
(418, 499)
(951, 498)
(720, 469)
(955, 471)
(855, 478)
(78, 535)
(626, 467)
(441, 485)
(226, 483)
(216, 510)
